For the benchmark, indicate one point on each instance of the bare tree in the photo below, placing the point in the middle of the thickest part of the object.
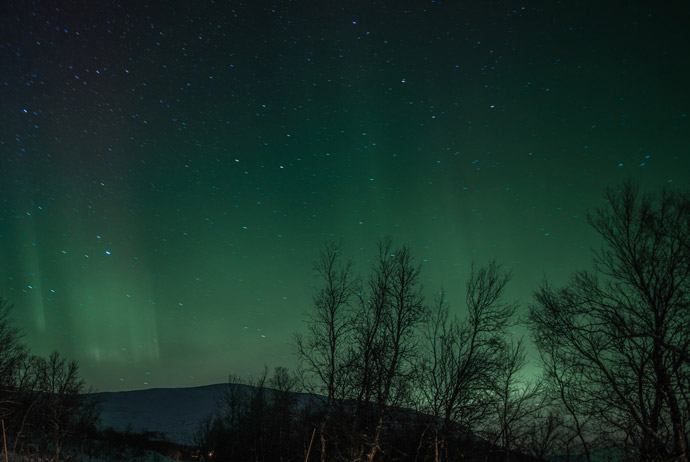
(27, 395)
(62, 394)
(227, 433)
(543, 436)
(391, 312)
(567, 386)
(625, 325)
(202, 435)
(323, 350)
(366, 346)
(462, 355)
(517, 401)
(436, 378)
(282, 408)
(232, 403)
(12, 353)
(256, 418)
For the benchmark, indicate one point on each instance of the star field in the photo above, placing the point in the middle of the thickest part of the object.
(169, 173)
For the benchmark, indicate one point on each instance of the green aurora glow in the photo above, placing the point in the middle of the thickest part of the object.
(168, 174)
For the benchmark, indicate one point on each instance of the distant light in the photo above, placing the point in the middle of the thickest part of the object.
(107, 252)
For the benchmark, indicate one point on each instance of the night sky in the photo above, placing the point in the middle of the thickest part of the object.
(169, 171)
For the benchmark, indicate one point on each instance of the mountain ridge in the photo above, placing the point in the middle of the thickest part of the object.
(174, 413)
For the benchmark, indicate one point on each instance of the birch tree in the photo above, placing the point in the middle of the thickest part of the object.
(624, 325)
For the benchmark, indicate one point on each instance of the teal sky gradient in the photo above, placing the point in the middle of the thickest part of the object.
(168, 174)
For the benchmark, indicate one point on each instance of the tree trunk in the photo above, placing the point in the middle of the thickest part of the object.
(437, 454)
(421, 442)
(377, 440)
(322, 436)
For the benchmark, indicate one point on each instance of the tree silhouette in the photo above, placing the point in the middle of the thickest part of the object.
(624, 326)
(361, 345)
(517, 401)
(323, 350)
(463, 355)
(63, 407)
(12, 353)
(398, 310)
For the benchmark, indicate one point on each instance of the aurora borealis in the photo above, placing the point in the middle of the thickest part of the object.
(169, 171)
